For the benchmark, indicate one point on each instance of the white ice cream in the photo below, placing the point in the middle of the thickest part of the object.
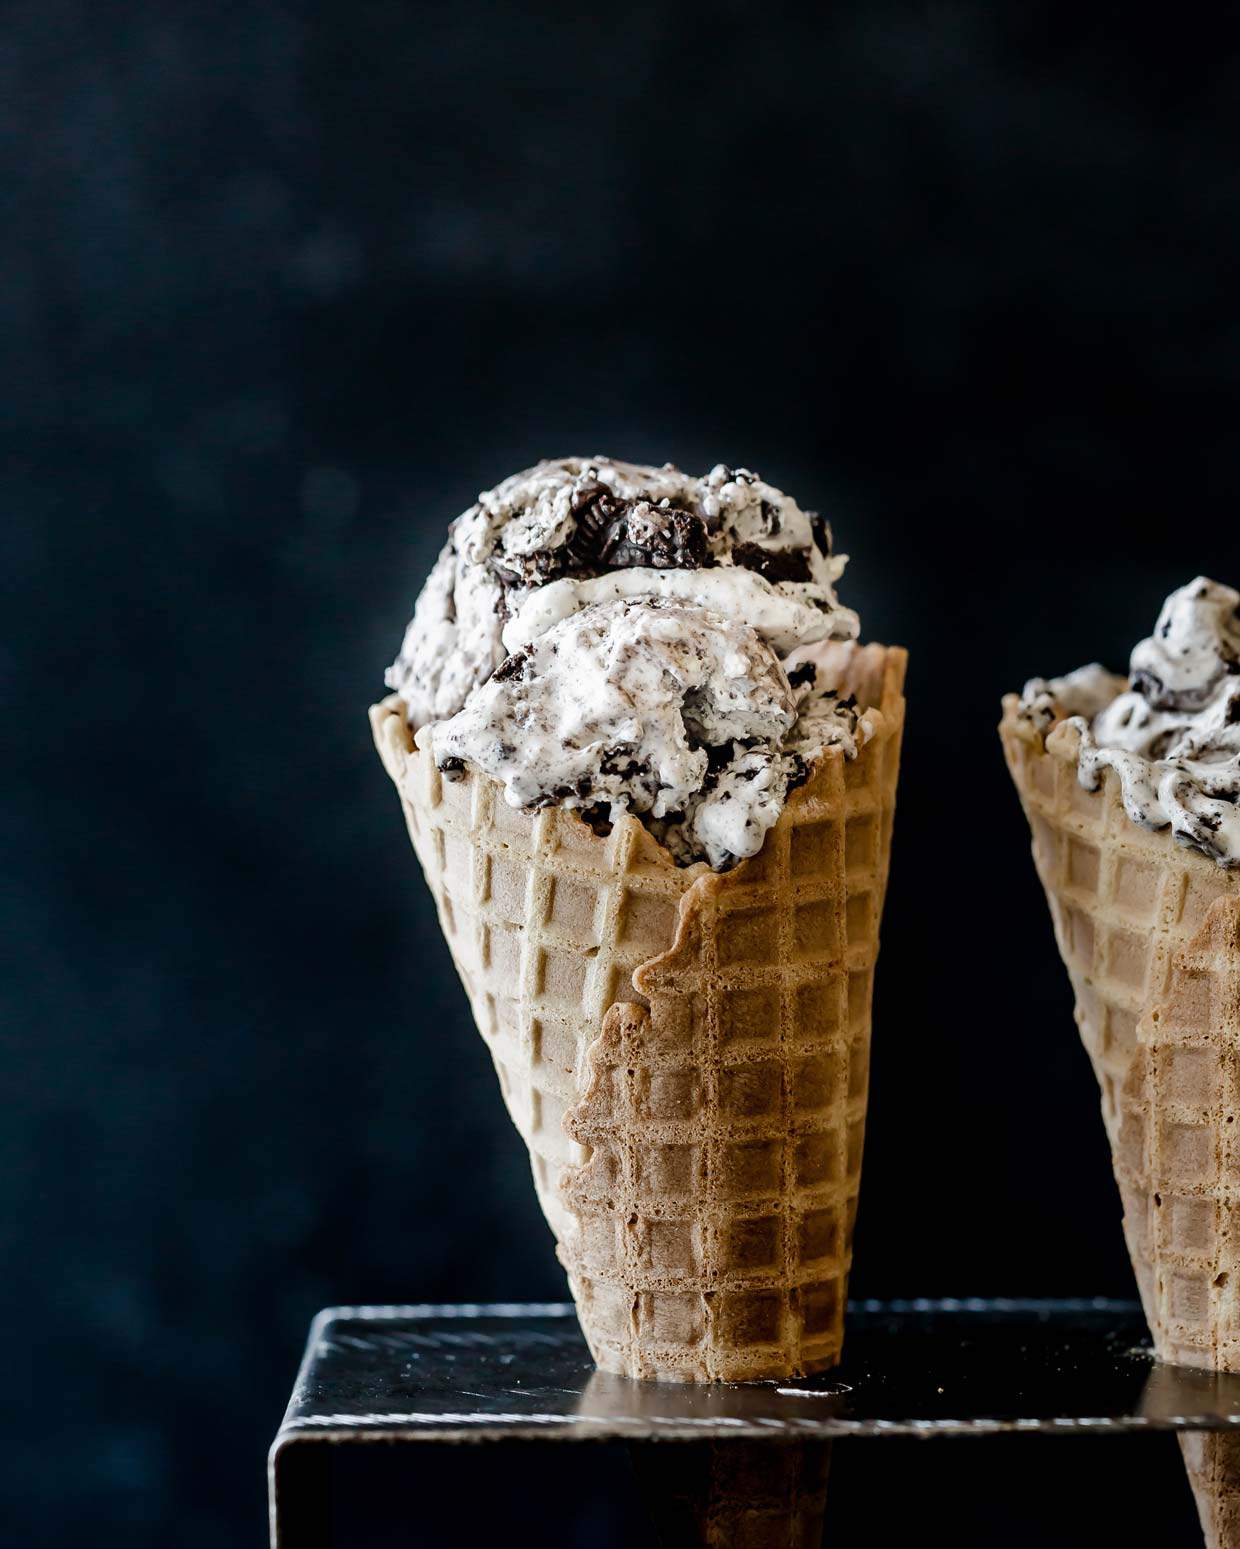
(1083, 692)
(452, 642)
(1173, 736)
(672, 711)
(777, 614)
(606, 636)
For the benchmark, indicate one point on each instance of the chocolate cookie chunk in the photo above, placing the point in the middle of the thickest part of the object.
(512, 666)
(614, 534)
(773, 565)
(1186, 700)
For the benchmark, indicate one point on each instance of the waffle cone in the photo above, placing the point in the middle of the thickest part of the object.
(735, 1495)
(1150, 935)
(684, 1053)
(1213, 1462)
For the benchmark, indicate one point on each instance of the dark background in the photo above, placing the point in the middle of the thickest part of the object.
(283, 286)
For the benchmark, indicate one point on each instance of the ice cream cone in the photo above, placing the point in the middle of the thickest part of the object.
(1212, 1459)
(735, 1495)
(685, 1053)
(1150, 935)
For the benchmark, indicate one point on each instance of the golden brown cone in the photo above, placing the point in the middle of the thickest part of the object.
(735, 1495)
(684, 1053)
(1150, 935)
(1213, 1462)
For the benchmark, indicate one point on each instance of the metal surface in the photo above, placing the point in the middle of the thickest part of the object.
(910, 1368)
(918, 1368)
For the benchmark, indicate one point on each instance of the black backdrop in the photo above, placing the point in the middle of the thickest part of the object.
(283, 286)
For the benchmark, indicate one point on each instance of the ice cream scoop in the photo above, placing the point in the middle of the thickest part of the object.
(1171, 732)
(609, 636)
(671, 711)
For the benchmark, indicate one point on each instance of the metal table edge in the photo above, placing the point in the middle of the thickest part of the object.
(527, 1427)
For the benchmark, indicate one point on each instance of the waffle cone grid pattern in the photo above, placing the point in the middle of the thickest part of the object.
(685, 1054)
(1148, 932)
(1150, 935)
(736, 1495)
(1212, 1459)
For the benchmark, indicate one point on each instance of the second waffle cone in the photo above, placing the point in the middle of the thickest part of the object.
(1150, 935)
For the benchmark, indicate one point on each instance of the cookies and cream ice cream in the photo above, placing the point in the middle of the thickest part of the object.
(609, 636)
(1171, 731)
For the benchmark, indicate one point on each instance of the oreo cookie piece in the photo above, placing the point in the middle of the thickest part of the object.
(773, 565)
(614, 534)
(512, 667)
(619, 761)
(1152, 689)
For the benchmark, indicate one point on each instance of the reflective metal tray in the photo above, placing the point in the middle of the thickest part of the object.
(911, 1368)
